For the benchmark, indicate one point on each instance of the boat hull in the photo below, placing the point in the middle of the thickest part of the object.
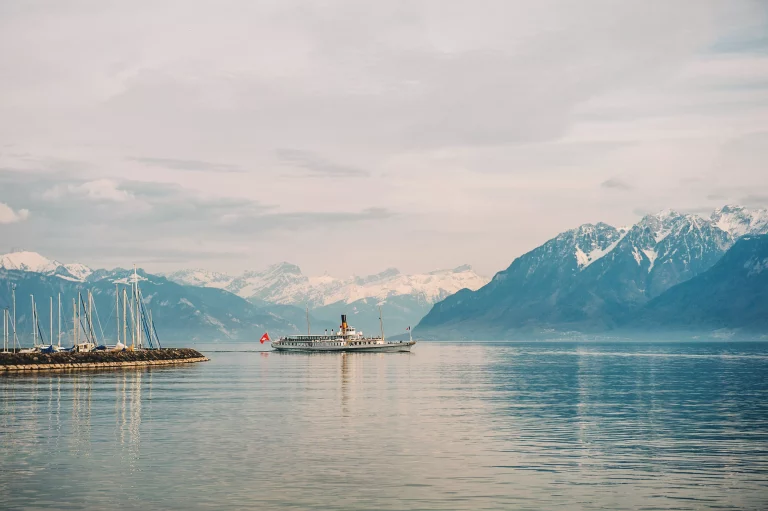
(363, 348)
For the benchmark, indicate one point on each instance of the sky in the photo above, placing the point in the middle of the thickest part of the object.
(349, 137)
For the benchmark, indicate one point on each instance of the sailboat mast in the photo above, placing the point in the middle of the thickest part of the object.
(151, 324)
(91, 332)
(59, 313)
(308, 326)
(79, 305)
(139, 337)
(51, 321)
(125, 318)
(117, 313)
(381, 324)
(34, 330)
(14, 315)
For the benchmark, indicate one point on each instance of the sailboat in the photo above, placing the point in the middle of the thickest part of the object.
(85, 317)
(53, 348)
(35, 330)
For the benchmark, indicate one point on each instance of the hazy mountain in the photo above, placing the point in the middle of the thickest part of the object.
(404, 298)
(34, 262)
(181, 313)
(592, 278)
(732, 295)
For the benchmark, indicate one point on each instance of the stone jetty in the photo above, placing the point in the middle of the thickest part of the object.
(97, 359)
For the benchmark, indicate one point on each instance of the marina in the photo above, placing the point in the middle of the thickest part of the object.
(135, 342)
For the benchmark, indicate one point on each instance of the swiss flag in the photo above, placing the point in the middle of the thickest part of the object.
(264, 338)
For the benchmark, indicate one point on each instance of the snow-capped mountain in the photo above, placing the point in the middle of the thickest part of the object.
(284, 283)
(593, 277)
(202, 278)
(730, 296)
(738, 221)
(28, 261)
(36, 263)
(181, 313)
(405, 298)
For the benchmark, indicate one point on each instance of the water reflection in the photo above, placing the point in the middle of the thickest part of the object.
(446, 427)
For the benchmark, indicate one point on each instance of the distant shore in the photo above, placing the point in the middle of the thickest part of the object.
(97, 359)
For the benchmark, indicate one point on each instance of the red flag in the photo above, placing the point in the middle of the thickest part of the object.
(265, 337)
(407, 329)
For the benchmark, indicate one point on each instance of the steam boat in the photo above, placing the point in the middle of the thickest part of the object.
(345, 339)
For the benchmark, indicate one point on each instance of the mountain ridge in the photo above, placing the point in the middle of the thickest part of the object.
(732, 295)
(284, 283)
(591, 278)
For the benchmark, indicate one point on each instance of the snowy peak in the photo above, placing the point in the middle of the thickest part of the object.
(739, 221)
(28, 261)
(284, 283)
(77, 270)
(387, 274)
(592, 241)
(283, 268)
(199, 277)
(35, 263)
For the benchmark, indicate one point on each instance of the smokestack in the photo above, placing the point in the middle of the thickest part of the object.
(343, 323)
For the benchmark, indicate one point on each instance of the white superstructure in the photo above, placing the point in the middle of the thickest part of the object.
(345, 339)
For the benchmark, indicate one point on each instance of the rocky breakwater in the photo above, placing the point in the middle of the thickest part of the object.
(97, 359)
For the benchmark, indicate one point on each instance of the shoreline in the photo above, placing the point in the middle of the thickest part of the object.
(97, 359)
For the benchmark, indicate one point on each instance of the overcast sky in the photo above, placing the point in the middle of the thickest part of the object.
(350, 137)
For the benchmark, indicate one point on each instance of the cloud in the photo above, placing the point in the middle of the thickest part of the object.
(616, 184)
(755, 200)
(9, 216)
(309, 219)
(162, 221)
(191, 165)
(99, 190)
(317, 165)
(448, 117)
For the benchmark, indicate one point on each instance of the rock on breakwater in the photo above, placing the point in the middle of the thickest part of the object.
(97, 359)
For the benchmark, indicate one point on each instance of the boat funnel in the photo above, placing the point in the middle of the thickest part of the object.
(344, 325)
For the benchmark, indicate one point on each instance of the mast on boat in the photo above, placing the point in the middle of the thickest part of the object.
(34, 322)
(91, 331)
(125, 317)
(381, 324)
(308, 329)
(136, 302)
(13, 291)
(59, 313)
(117, 313)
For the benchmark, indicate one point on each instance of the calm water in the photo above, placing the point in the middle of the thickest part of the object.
(492, 426)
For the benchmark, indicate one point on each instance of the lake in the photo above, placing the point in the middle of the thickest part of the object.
(448, 426)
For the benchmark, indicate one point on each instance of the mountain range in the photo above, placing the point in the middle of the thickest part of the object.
(181, 313)
(669, 271)
(404, 298)
(730, 296)
(594, 278)
(193, 301)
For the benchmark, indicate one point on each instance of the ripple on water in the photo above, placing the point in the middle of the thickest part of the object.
(450, 426)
